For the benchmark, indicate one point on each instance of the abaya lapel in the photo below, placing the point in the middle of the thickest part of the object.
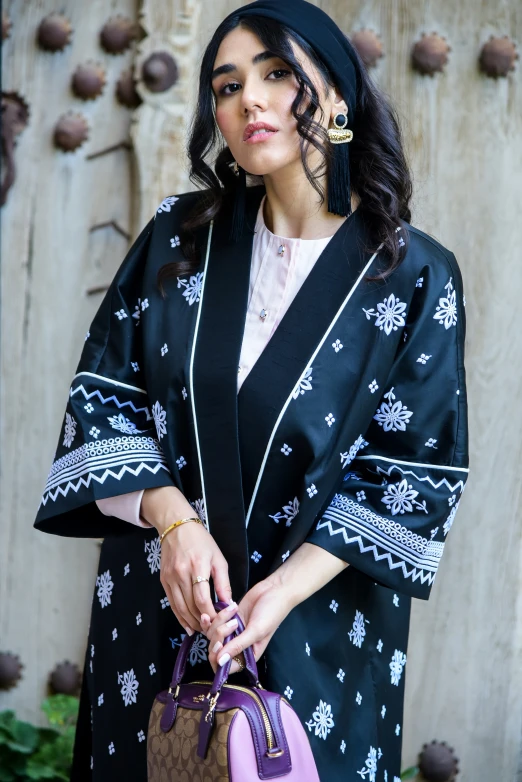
(280, 365)
(218, 338)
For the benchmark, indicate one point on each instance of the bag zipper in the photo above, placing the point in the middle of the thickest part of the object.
(264, 714)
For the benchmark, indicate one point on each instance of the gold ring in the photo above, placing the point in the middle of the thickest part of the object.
(199, 579)
(240, 662)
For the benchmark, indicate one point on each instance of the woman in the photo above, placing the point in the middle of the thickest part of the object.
(328, 484)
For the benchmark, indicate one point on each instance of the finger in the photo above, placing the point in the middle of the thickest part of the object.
(221, 618)
(186, 590)
(215, 653)
(203, 600)
(238, 644)
(181, 611)
(221, 579)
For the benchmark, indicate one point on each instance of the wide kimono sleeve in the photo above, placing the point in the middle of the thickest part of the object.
(108, 442)
(394, 506)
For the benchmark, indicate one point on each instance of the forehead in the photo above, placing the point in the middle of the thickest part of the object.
(240, 45)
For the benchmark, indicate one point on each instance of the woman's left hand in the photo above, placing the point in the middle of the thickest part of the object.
(262, 610)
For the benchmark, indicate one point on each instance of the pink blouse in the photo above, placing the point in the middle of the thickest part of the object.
(279, 268)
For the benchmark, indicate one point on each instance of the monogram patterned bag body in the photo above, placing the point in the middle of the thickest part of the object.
(219, 732)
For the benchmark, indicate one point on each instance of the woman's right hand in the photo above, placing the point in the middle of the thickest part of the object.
(186, 552)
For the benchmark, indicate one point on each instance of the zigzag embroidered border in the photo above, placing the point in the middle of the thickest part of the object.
(383, 534)
(104, 455)
(105, 400)
(63, 491)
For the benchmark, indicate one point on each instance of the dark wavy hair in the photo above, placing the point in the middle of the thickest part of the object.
(379, 173)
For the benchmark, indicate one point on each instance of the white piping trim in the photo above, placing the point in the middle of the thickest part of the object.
(108, 380)
(191, 378)
(312, 359)
(414, 464)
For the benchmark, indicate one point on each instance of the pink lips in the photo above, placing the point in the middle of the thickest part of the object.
(260, 137)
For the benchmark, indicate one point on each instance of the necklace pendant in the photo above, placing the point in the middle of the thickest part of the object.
(263, 314)
(281, 250)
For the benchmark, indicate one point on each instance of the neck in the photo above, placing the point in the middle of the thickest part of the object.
(293, 209)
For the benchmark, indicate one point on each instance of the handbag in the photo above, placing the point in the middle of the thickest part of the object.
(213, 731)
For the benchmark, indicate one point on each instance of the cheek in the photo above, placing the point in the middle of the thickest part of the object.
(225, 120)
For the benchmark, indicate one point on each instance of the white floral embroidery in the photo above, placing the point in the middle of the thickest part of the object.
(397, 664)
(334, 605)
(181, 462)
(341, 674)
(379, 645)
(373, 386)
(393, 416)
(164, 349)
(358, 631)
(358, 699)
(389, 314)
(329, 419)
(105, 587)
(164, 602)
(322, 720)
(337, 345)
(88, 407)
(304, 384)
(184, 392)
(153, 549)
(199, 507)
(423, 358)
(135, 366)
(288, 693)
(400, 498)
(121, 314)
(192, 292)
(449, 521)
(256, 556)
(446, 312)
(152, 669)
(349, 456)
(290, 511)
(166, 204)
(361, 496)
(198, 650)
(174, 242)
(141, 736)
(431, 443)
(343, 746)
(311, 491)
(370, 767)
(94, 432)
(129, 686)
(160, 419)
(69, 430)
(123, 424)
(419, 282)
(286, 449)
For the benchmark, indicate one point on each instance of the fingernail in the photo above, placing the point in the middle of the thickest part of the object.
(189, 631)
(231, 606)
(217, 646)
(231, 602)
(231, 623)
(223, 660)
(204, 618)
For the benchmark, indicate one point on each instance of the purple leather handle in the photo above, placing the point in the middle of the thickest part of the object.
(222, 673)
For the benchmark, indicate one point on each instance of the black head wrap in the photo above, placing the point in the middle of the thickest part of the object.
(336, 51)
(323, 35)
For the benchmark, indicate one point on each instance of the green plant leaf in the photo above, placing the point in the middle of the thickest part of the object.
(409, 773)
(61, 710)
(36, 770)
(25, 737)
(6, 775)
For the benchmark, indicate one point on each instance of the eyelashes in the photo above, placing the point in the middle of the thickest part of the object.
(231, 83)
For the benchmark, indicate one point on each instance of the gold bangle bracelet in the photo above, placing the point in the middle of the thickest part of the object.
(177, 524)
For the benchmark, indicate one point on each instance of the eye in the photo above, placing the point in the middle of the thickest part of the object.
(235, 84)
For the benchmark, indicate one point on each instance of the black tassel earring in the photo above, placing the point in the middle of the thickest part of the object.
(238, 215)
(339, 190)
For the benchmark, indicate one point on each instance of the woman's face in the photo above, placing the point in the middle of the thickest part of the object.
(260, 88)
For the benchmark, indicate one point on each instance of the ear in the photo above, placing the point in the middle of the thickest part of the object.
(339, 104)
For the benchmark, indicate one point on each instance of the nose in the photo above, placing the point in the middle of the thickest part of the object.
(253, 96)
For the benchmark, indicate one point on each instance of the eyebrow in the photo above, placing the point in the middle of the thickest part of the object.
(229, 67)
